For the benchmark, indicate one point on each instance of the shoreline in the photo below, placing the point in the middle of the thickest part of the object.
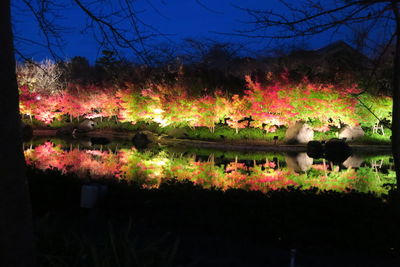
(242, 145)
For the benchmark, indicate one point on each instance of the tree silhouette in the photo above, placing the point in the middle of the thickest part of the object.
(16, 240)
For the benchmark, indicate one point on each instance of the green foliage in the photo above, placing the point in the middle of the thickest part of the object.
(326, 135)
(375, 138)
(372, 109)
(226, 133)
(126, 126)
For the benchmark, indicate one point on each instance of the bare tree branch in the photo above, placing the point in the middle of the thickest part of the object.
(115, 25)
(200, 3)
(312, 20)
(49, 29)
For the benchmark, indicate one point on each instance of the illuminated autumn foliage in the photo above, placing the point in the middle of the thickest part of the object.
(265, 106)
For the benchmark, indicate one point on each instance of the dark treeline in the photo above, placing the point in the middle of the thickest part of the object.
(221, 66)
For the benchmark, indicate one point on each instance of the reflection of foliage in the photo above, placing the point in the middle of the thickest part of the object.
(369, 180)
(365, 179)
(143, 168)
(94, 163)
(150, 170)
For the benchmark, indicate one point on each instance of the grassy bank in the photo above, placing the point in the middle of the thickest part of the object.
(181, 224)
(221, 132)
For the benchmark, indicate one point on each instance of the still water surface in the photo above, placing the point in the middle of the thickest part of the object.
(213, 168)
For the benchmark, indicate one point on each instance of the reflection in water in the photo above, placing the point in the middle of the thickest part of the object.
(299, 162)
(151, 169)
(353, 161)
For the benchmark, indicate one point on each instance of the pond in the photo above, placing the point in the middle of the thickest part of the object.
(210, 168)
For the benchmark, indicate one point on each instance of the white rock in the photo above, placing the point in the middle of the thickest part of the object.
(87, 125)
(351, 132)
(299, 132)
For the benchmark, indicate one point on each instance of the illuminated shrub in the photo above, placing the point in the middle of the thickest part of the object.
(264, 106)
(139, 105)
(326, 104)
(179, 110)
(29, 101)
(372, 108)
(45, 108)
(41, 77)
(238, 109)
(280, 103)
(269, 106)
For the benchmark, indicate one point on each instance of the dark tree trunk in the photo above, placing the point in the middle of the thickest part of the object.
(16, 238)
(396, 98)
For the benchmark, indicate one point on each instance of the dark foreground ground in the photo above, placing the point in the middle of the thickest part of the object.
(184, 225)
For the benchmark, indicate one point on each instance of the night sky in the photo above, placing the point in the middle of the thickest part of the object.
(175, 19)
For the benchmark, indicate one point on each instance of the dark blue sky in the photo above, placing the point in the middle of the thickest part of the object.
(177, 19)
